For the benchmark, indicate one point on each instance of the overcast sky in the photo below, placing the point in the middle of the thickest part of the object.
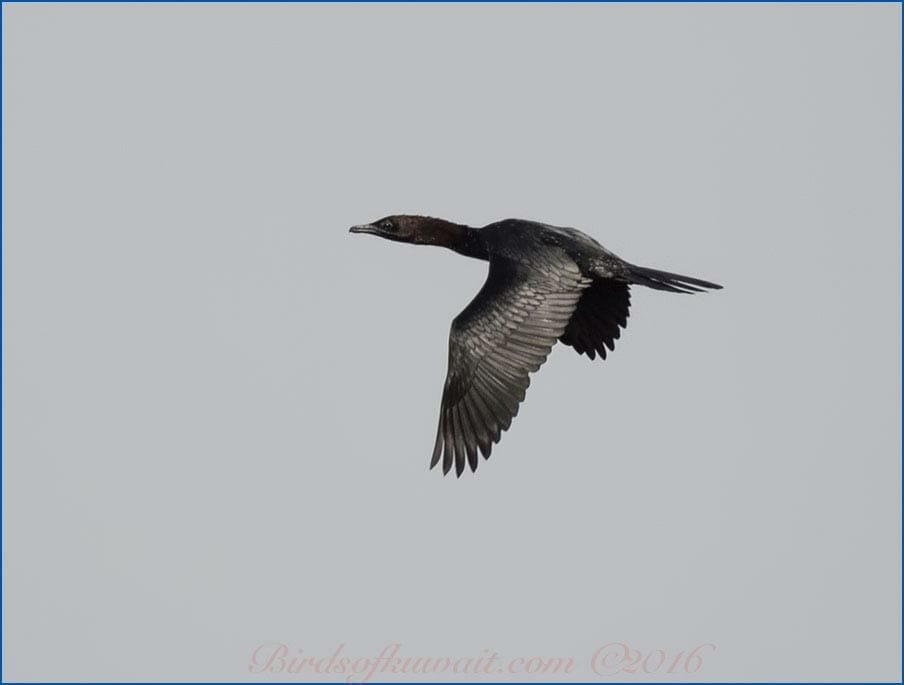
(219, 406)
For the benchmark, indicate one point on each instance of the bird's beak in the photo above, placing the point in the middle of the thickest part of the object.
(365, 228)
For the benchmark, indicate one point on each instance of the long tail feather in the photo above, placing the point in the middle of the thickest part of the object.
(664, 280)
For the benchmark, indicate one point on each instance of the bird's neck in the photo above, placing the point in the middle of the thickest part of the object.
(458, 237)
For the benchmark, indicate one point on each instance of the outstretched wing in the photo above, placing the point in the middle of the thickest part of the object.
(596, 322)
(501, 337)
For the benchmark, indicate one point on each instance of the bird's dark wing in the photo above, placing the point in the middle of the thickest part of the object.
(501, 337)
(596, 322)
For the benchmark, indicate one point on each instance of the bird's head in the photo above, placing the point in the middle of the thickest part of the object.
(404, 228)
(421, 230)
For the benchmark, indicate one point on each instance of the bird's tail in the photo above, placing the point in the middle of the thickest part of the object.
(663, 280)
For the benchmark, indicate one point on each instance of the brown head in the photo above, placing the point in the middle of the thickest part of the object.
(408, 228)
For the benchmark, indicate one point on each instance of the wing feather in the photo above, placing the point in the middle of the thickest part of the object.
(501, 337)
(599, 317)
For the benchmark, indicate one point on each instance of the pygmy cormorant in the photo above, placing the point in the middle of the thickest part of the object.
(545, 283)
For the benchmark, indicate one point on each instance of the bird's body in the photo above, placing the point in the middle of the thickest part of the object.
(545, 283)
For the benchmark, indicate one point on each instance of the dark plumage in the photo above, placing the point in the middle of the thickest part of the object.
(545, 283)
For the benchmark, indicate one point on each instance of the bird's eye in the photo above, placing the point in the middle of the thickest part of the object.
(387, 225)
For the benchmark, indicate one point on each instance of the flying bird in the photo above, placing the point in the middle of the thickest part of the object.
(545, 283)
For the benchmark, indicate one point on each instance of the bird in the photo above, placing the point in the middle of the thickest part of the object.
(544, 284)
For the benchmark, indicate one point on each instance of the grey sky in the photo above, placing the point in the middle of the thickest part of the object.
(219, 407)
